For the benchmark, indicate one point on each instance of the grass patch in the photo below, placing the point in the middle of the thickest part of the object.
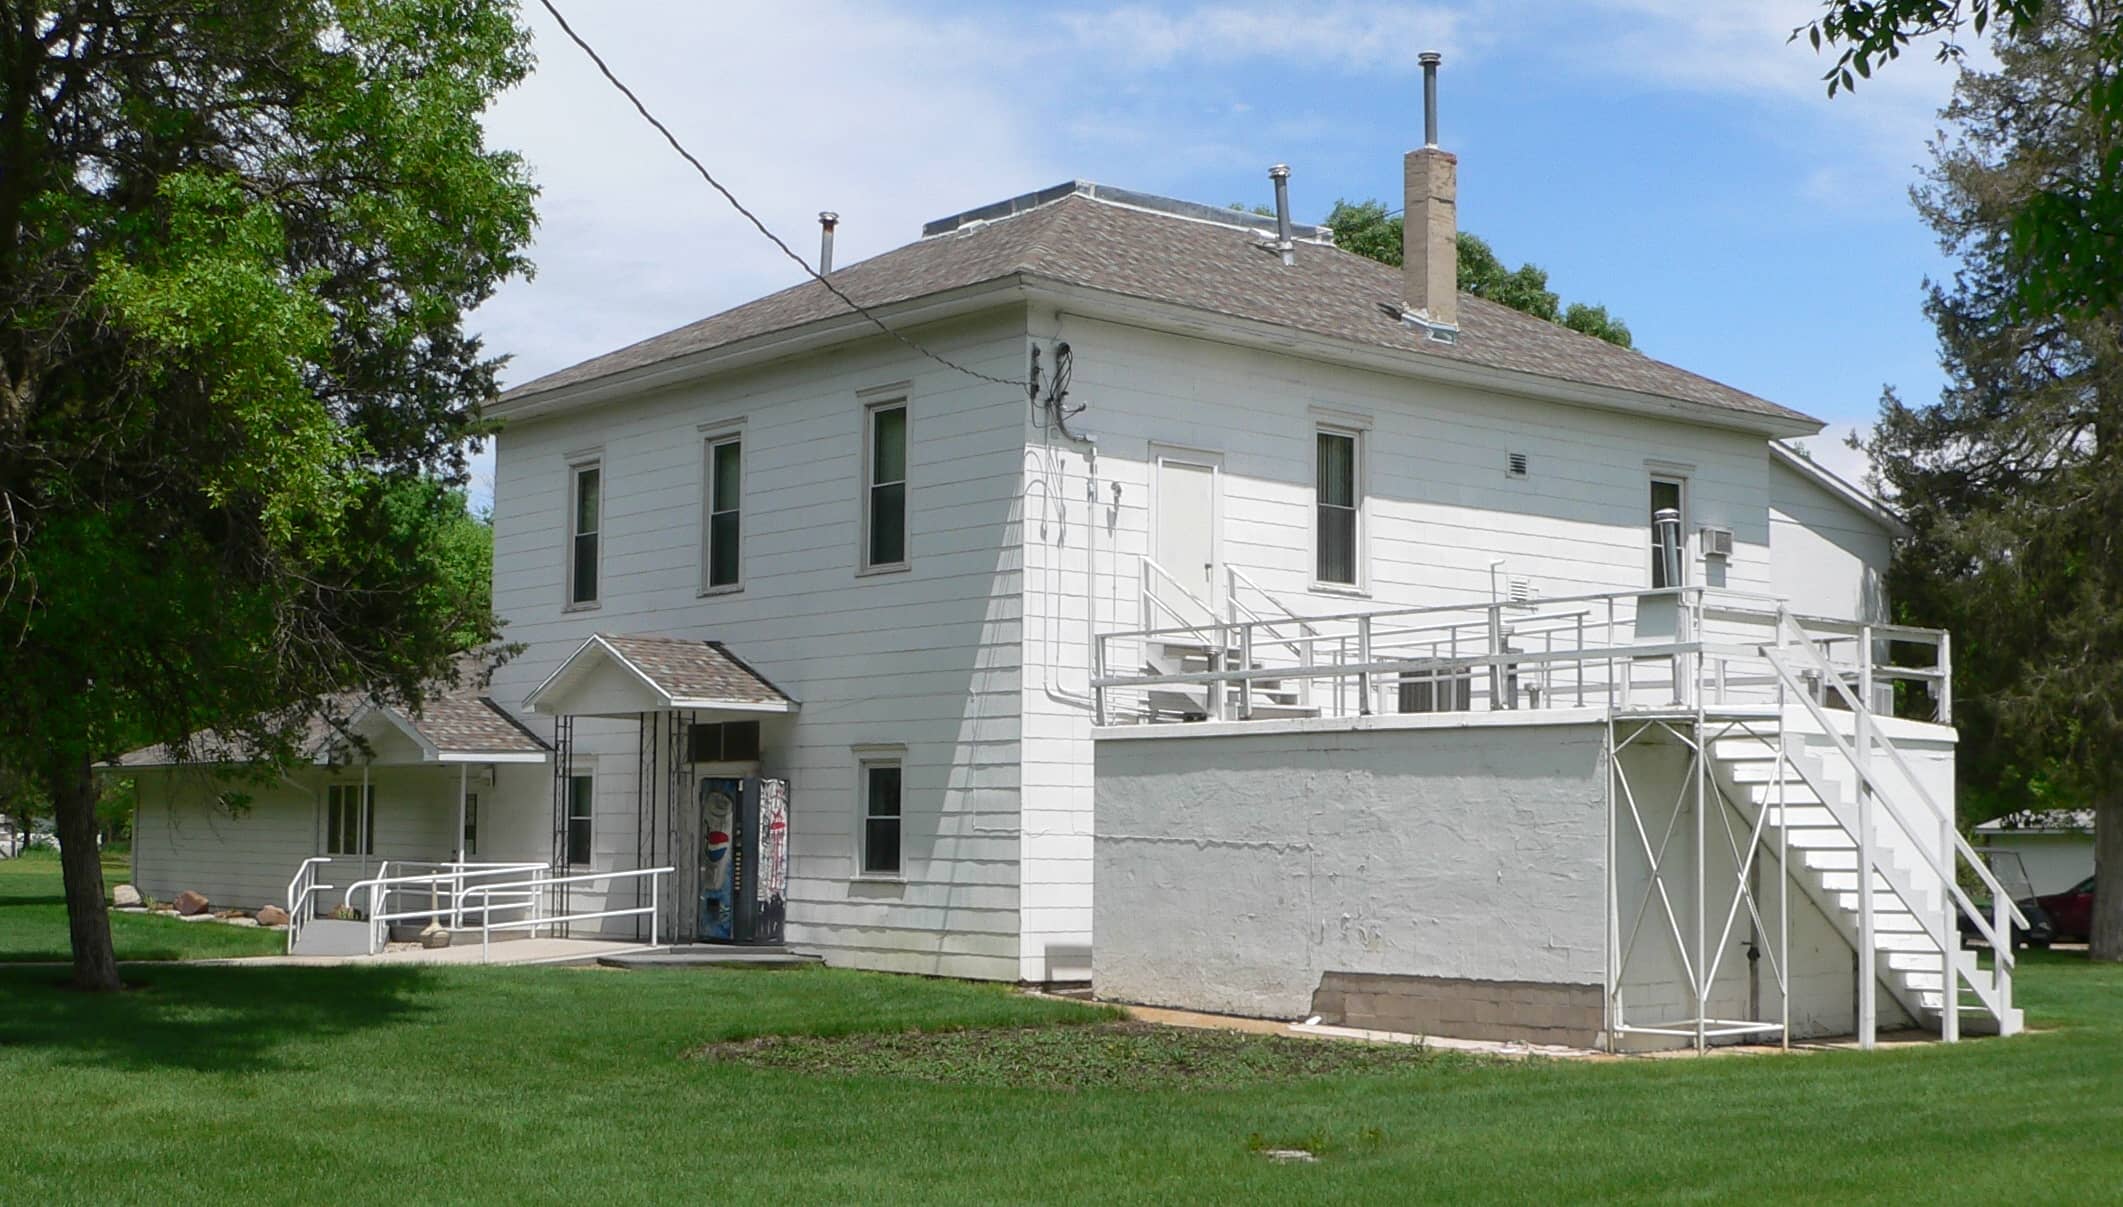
(1120, 1055)
(249, 1084)
(33, 920)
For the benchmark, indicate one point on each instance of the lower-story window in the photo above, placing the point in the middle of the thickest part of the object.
(880, 817)
(471, 825)
(349, 827)
(580, 800)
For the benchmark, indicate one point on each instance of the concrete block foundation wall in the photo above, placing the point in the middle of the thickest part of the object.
(1524, 1011)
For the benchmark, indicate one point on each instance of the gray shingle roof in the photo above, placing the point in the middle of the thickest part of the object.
(457, 720)
(1137, 253)
(695, 670)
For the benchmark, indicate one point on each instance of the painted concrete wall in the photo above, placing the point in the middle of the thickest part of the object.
(1239, 864)
(242, 858)
(926, 659)
(1234, 871)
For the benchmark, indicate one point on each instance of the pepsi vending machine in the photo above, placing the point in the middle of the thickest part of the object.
(744, 859)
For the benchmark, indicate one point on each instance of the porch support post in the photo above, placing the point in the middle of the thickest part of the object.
(361, 837)
(464, 781)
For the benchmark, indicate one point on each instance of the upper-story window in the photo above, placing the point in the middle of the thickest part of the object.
(585, 521)
(722, 561)
(885, 486)
(1669, 560)
(1337, 507)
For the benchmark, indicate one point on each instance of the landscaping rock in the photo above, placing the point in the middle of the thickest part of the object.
(125, 896)
(272, 915)
(189, 903)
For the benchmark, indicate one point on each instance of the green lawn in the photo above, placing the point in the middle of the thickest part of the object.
(33, 920)
(408, 1084)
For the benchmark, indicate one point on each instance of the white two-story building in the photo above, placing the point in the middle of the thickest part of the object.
(1172, 599)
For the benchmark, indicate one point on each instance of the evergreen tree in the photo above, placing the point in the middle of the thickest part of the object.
(2013, 480)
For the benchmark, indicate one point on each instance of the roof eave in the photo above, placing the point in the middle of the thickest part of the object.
(1187, 320)
(764, 348)
(1857, 498)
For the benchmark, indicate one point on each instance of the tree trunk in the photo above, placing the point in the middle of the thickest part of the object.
(88, 919)
(2108, 875)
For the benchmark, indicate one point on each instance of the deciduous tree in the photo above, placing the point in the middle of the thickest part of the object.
(1368, 230)
(237, 244)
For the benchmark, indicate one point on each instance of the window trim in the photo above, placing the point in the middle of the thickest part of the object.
(867, 758)
(589, 819)
(1657, 473)
(871, 408)
(332, 799)
(578, 465)
(468, 838)
(713, 439)
(1361, 496)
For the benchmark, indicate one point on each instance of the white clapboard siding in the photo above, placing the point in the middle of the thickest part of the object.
(1438, 505)
(927, 659)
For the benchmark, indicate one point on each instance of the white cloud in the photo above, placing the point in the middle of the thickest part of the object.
(1744, 49)
(1365, 37)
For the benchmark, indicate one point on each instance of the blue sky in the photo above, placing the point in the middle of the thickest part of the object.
(1675, 160)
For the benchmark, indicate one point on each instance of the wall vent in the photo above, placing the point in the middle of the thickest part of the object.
(1515, 465)
(1520, 590)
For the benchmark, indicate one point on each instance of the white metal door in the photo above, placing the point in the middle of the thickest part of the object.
(1186, 525)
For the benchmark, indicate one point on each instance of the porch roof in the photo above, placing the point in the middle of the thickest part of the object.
(614, 674)
(454, 730)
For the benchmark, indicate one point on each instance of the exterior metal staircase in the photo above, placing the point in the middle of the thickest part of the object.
(1869, 845)
(1912, 926)
(1265, 698)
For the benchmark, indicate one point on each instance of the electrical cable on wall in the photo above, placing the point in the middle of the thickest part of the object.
(739, 206)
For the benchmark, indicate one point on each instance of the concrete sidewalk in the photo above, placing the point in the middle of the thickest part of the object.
(515, 951)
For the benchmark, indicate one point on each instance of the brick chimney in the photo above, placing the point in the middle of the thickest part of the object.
(1430, 257)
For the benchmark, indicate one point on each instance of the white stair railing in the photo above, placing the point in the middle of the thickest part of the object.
(1805, 671)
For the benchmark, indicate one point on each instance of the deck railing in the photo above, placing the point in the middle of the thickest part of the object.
(1611, 649)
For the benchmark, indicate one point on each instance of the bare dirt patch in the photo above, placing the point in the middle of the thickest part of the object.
(1125, 1055)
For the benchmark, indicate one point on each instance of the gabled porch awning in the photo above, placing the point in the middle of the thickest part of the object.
(457, 730)
(612, 675)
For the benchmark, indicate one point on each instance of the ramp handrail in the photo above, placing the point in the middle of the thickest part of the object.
(302, 889)
(379, 888)
(487, 925)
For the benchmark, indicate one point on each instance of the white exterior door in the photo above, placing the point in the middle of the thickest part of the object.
(1186, 526)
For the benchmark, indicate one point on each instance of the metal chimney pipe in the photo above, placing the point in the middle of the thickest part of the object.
(827, 220)
(1429, 59)
(1280, 174)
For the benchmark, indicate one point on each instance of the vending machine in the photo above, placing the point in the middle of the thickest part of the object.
(744, 859)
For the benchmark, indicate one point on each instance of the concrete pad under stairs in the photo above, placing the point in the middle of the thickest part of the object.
(713, 955)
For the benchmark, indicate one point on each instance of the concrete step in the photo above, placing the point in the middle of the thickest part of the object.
(713, 955)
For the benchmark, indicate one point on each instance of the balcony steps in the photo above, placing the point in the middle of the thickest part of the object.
(1814, 815)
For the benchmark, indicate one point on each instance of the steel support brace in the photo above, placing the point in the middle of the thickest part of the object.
(1698, 948)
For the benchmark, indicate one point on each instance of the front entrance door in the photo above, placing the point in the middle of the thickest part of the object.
(1186, 528)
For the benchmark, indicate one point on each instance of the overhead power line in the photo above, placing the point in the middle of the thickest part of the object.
(739, 206)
